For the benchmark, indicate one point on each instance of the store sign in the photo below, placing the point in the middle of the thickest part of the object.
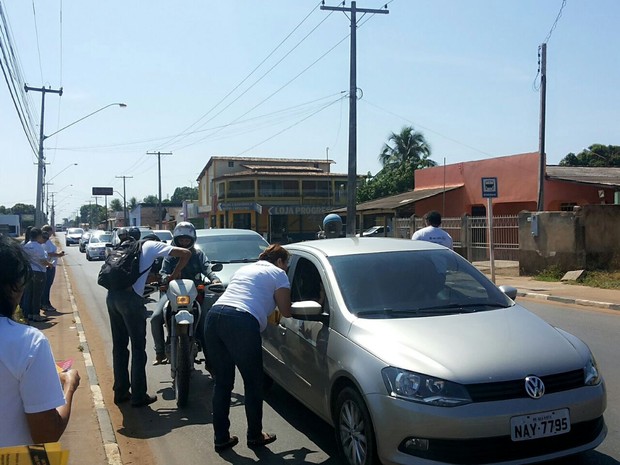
(299, 209)
(239, 206)
(103, 191)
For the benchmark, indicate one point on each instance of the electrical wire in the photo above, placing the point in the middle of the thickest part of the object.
(179, 136)
(535, 85)
(425, 128)
(36, 32)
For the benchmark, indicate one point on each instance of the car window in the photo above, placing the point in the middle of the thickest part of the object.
(414, 283)
(306, 283)
(75, 231)
(164, 235)
(232, 247)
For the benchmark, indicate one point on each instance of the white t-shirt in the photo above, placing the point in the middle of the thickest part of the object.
(252, 290)
(433, 234)
(29, 382)
(151, 250)
(50, 248)
(37, 255)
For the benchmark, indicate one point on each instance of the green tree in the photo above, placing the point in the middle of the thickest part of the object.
(4, 210)
(388, 181)
(116, 205)
(184, 193)
(151, 199)
(133, 203)
(22, 209)
(408, 146)
(597, 155)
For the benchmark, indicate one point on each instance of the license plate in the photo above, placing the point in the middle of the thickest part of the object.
(539, 425)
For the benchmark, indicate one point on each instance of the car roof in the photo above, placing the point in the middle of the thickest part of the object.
(362, 245)
(225, 232)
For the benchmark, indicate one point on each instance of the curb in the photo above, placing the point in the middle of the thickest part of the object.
(112, 451)
(569, 300)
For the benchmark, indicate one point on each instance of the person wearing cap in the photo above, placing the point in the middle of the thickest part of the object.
(127, 312)
(432, 232)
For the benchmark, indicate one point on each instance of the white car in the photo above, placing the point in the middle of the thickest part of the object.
(415, 357)
(95, 248)
(73, 236)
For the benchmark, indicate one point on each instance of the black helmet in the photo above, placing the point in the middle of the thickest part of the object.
(184, 229)
(134, 233)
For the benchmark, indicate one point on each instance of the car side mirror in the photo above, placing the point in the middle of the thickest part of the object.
(217, 267)
(308, 310)
(509, 291)
(109, 244)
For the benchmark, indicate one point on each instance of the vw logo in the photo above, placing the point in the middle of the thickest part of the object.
(534, 387)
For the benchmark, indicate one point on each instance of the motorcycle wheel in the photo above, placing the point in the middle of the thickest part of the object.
(181, 384)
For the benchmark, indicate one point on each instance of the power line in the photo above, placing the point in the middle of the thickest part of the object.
(555, 23)
(36, 33)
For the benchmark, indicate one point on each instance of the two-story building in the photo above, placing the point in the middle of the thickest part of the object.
(282, 199)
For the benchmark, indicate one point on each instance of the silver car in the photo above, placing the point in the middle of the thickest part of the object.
(96, 247)
(415, 357)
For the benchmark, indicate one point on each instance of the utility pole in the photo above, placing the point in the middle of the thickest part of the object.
(124, 199)
(159, 154)
(53, 216)
(541, 130)
(352, 171)
(38, 220)
(96, 212)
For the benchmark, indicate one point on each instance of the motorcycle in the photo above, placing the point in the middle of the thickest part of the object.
(188, 302)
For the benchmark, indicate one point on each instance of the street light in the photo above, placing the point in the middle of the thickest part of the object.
(41, 158)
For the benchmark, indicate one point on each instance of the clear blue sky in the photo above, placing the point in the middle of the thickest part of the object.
(461, 72)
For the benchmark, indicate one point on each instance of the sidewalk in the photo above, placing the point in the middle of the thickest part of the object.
(89, 437)
(506, 273)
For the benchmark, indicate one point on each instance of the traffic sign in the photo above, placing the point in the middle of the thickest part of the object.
(489, 187)
(103, 191)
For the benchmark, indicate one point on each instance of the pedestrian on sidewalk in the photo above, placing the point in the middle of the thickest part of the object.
(35, 400)
(433, 232)
(39, 263)
(53, 254)
(127, 313)
(232, 338)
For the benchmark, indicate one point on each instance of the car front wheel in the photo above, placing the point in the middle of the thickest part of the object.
(355, 434)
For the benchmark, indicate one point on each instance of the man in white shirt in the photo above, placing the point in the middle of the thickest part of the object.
(432, 232)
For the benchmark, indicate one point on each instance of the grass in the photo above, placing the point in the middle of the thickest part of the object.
(600, 279)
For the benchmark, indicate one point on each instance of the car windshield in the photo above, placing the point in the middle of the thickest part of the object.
(414, 283)
(164, 235)
(75, 231)
(231, 248)
(101, 238)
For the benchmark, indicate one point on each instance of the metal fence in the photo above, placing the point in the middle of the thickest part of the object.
(470, 235)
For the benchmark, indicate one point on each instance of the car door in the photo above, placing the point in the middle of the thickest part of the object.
(304, 347)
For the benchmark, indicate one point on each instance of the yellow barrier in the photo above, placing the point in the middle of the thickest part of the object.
(36, 454)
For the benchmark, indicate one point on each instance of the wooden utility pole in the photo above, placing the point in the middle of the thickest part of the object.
(541, 130)
(159, 154)
(352, 171)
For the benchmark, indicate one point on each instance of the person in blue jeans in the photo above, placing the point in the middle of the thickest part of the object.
(53, 254)
(184, 235)
(127, 314)
(232, 339)
(39, 262)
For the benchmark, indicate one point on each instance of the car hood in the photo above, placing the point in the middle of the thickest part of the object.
(74, 236)
(228, 270)
(489, 346)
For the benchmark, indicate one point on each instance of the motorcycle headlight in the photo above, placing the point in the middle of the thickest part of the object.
(417, 387)
(182, 300)
(592, 376)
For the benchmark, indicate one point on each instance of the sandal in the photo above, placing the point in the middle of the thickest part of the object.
(232, 441)
(265, 439)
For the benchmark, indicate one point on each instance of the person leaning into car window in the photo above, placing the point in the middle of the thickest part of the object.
(232, 338)
(184, 235)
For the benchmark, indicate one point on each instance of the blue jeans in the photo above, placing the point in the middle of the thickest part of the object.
(157, 326)
(128, 323)
(49, 280)
(233, 338)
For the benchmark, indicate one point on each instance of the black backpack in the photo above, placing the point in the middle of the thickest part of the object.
(121, 268)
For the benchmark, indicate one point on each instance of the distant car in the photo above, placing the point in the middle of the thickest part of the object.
(233, 248)
(95, 249)
(374, 231)
(164, 235)
(415, 356)
(84, 240)
(73, 236)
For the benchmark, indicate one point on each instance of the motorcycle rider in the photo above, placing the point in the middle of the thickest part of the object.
(184, 235)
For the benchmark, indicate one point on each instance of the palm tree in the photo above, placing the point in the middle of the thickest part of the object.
(409, 147)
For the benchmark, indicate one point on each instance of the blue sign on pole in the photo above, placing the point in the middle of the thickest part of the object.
(489, 187)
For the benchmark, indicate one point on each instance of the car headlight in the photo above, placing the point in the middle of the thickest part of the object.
(417, 387)
(591, 374)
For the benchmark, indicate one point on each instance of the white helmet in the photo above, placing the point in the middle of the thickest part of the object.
(184, 229)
